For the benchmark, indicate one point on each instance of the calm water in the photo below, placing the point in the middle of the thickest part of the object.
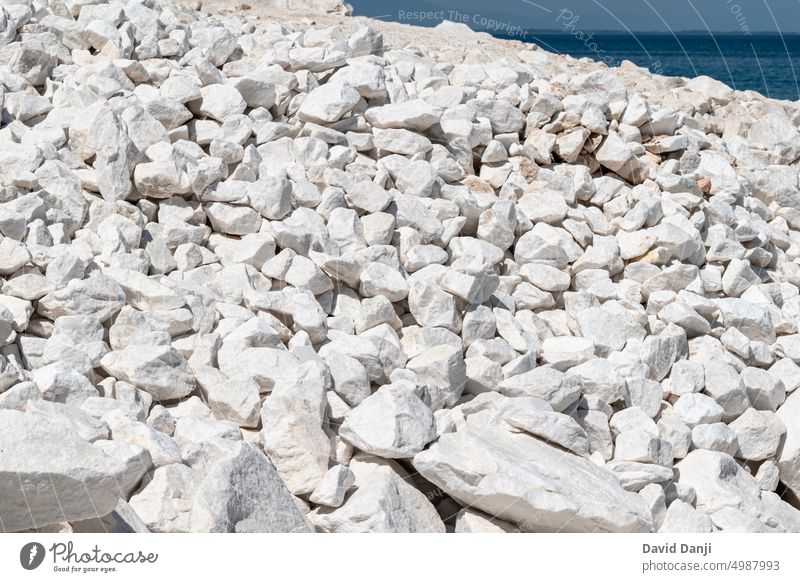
(767, 63)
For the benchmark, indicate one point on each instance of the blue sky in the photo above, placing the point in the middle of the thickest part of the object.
(634, 15)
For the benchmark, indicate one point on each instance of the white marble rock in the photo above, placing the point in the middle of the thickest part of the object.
(255, 268)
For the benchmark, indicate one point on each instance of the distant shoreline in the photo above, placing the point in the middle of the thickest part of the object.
(763, 61)
(429, 23)
(553, 31)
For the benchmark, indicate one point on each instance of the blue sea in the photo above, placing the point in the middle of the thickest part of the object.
(767, 63)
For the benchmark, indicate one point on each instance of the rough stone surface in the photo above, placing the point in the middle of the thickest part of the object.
(256, 264)
(392, 423)
(83, 481)
(383, 502)
(505, 465)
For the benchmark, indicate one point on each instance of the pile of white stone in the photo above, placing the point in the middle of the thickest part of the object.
(272, 277)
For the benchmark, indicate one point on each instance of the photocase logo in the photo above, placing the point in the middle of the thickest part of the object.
(31, 555)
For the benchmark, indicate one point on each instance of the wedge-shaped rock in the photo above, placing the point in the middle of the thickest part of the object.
(551, 427)
(520, 479)
(634, 476)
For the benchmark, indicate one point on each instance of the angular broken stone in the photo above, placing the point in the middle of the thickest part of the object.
(586, 497)
(472, 521)
(158, 370)
(727, 485)
(391, 423)
(789, 453)
(415, 114)
(293, 417)
(164, 500)
(381, 502)
(83, 481)
(541, 280)
(333, 487)
(243, 493)
(758, 434)
(328, 103)
(558, 389)
(551, 427)
(683, 518)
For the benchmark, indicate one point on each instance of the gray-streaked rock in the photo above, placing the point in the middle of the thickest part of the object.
(82, 481)
(242, 492)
